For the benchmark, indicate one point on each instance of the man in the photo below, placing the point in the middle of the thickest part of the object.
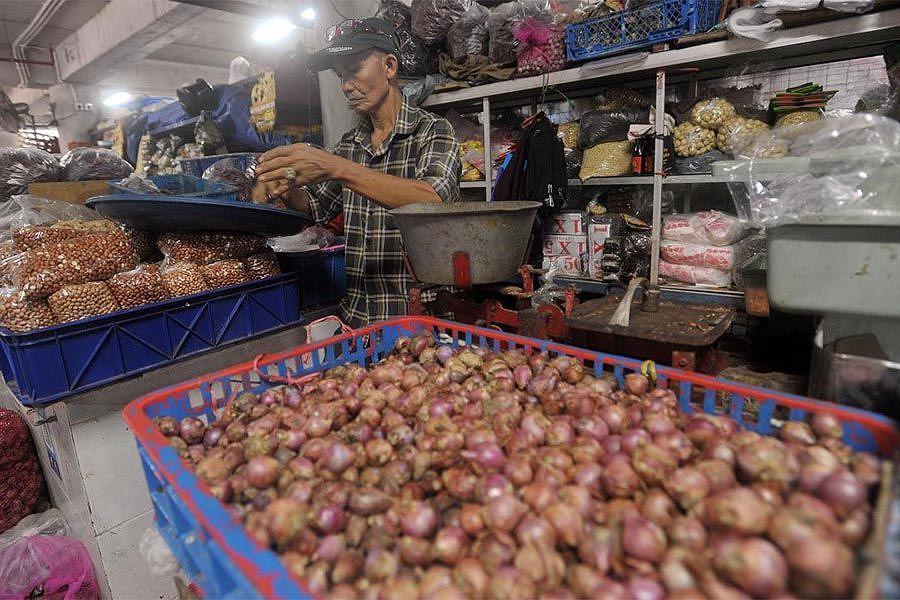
(397, 155)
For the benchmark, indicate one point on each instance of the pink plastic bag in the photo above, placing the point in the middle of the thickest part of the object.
(541, 47)
(697, 255)
(689, 274)
(55, 564)
(705, 228)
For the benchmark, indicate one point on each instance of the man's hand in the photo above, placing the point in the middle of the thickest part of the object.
(269, 191)
(310, 164)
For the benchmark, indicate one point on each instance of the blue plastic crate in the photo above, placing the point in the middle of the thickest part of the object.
(182, 185)
(196, 166)
(49, 364)
(217, 552)
(322, 275)
(650, 23)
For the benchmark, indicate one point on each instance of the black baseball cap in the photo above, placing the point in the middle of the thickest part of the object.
(353, 36)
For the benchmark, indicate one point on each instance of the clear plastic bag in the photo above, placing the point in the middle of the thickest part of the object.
(311, 238)
(183, 279)
(49, 522)
(207, 134)
(712, 112)
(45, 269)
(698, 165)
(612, 159)
(54, 566)
(849, 6)
(854, 165)
(696, 275)
(156, 552)
(432, 18)
(224, 273)
(549, 292)
(136, 183)
(21, 166)
(573, 163)
(502, 21)
(20, 314)
(262, 264)
(750, 252)
(206, 247)
(737, 133)
(469, 34)
(80, 301)
(693, 140)
(140, 286)
(84, 164)
(230, 171)
(25, 209)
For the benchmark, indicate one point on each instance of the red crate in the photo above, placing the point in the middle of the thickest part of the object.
(218, 554)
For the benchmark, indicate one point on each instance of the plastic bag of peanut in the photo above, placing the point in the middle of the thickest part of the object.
(262, 264)
(183, 279)
(92, 257)
(20, 315)
(138, 287)
(225, 273)
(143, 242)
(80, 301)
(8, 257)
(32, 236)
(205, 247)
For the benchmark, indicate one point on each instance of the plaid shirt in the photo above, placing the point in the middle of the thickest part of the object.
(422, 146)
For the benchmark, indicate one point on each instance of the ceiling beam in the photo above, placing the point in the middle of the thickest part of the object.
(160, 77)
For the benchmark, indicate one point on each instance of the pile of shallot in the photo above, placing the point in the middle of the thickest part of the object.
(465, 473)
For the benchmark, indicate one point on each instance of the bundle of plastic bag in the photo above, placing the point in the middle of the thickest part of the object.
(21, 166)
(697, 255)
(84, 164)
(708, 228)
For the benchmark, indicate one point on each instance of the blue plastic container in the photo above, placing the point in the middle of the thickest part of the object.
(650, 23)
(182, 185)
(49, 364)
(322, 273)
(196, 166)
(218, 554)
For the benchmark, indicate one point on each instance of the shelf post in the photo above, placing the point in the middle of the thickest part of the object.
(660, 131)
(488, 164)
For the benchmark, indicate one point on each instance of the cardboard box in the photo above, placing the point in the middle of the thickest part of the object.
(565, 223)
(570, 266)
(597, 235)
(73, 192)
(565, 245)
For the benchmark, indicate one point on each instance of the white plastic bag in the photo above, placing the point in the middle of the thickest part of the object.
(849, 6)
(697, 255)
(697, 275)
(709, 227)
(753, 23)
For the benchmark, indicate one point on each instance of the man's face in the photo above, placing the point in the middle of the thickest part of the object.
(365, 78)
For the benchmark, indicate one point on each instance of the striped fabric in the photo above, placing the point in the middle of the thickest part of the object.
(422, 146)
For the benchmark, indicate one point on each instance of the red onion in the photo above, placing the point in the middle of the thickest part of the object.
(591, 426)
(827, 426)
(798, 432)
(415, 552)
(815, 512)
(535, 530)
(739, 509)
(821, 567)
(632, 438)
(331, 547)
(212, 436)
(619, 479)
(567, 523)
(493, 486)
(756, 566)
(479, 436)
(262, 471)
(688, 485)
(843, 492)
(329, 519)
(636, 384)
(675, 443)
(418, 519)
(653, 462)
(191, 430)
(635, 416)
(688, 532)
(503, 513)
(460, 483)
(658, 507)
(767, 460)
(701, 430)
(642, 539)
(867, 468)
(450, 545)
(560, 433)
(337, 458)
(718, 473)
(586, 450)
(486, 455)
(596, 548)
(368, 501)
(644, 588)
(167, 426)
(615, 418)
(494, 549)
(657, 424)
(347, 567)
(471, 518)
(212, 468)
(522, 375)
(674, 572)
(518, 470)
(538, 496)
(508, 584)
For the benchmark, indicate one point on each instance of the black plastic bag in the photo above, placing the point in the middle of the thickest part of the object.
(84, 164)
(432, 18)
(21, 166)
(573, 163)
(396, 13)
(636, 255)
(598, 126)
(469, 35)
(700, 164)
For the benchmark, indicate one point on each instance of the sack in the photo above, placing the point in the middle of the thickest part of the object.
(705, 228)
(599, 126)
(542, 47)
(502, 21)
(432, 18)
(701, 275)
(54, 566)
(696, 255)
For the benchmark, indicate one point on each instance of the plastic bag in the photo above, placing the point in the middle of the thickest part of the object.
(85, 164)
(696, 165)
(568, 133)
(206, 247)
(183, 279)
(608, 125)
(618, 98)
(696, 275)
(432, 18)
(712, 112)
(47, 565)
(137, 183)
(80, 301)
(49, 522)
(849, 6)
(541, 47)
(93, 257)
(799, 117)
(207, 134)
(262, 264)
(21, 166)
(738, 132)
(20, 314)
(611, 159)
(750, 251)
(230, 171)
(156, 552)
(21, 481)
(696, 255)
(573, 163)
(224, 273)
(311, 238)
(777, 6)
(705, 228)
(469, 34)
(502, 21)
(854, 163)
(25, 209)
(396, 12)
(140, 286)
(549, 291)
(692, 140)
(753, 23)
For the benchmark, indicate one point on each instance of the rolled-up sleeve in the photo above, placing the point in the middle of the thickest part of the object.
(438, 163)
